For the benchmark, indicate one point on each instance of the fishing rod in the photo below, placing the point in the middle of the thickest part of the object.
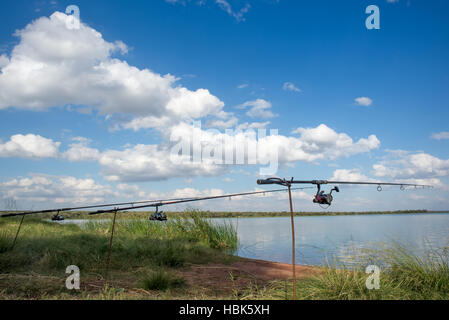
(85, 207)
(168, 202)
(163, 201)
(326, 198)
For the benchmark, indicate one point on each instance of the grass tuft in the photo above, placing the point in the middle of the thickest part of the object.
(5, 241)
(161, 280)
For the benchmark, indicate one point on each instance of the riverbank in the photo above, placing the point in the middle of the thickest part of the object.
(235, 279)
(188, 260)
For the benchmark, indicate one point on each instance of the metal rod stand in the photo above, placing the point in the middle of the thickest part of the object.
(17, 233)
(110, 247)
(293, 241)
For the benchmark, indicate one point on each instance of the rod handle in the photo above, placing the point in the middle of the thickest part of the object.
(266, 181)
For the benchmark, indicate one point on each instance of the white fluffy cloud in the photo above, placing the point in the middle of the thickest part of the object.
(222, 124)
(80, 151)
(29, 146)
(130, 191)
(313, 144)
(151, 162)
(56, 65)
(257, 108)
(253, 125)
(323, 142)
(350, 175)
(189, 193)
(364, 101)
(43, 189)
(154, 162)
(413, 167)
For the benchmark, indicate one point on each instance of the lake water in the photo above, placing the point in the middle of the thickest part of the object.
(343, 237)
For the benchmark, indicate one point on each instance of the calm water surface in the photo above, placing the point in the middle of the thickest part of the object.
(324, 237)
(338, 236)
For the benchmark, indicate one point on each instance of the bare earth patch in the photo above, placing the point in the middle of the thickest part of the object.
(222, 279)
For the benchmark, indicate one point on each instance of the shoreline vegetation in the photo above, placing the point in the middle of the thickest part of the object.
(226, 214)
(192, 259)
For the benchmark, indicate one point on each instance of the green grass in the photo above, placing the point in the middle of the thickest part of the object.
(161, 280)
(192, 229)
(46, 247)
(35, 268)
(404, 276)
(5, 241)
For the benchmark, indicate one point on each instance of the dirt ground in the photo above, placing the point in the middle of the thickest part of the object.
(238, 276)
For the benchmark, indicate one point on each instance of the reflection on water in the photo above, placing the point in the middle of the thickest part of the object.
(321, 238)
(81, 222)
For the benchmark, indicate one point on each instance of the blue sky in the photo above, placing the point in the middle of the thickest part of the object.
(86, 114)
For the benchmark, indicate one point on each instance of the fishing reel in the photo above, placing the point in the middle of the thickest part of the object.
(57, 217)
(324, 199)
(158, 216)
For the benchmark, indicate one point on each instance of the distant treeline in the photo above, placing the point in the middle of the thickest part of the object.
(217, 214)
(223, 214)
